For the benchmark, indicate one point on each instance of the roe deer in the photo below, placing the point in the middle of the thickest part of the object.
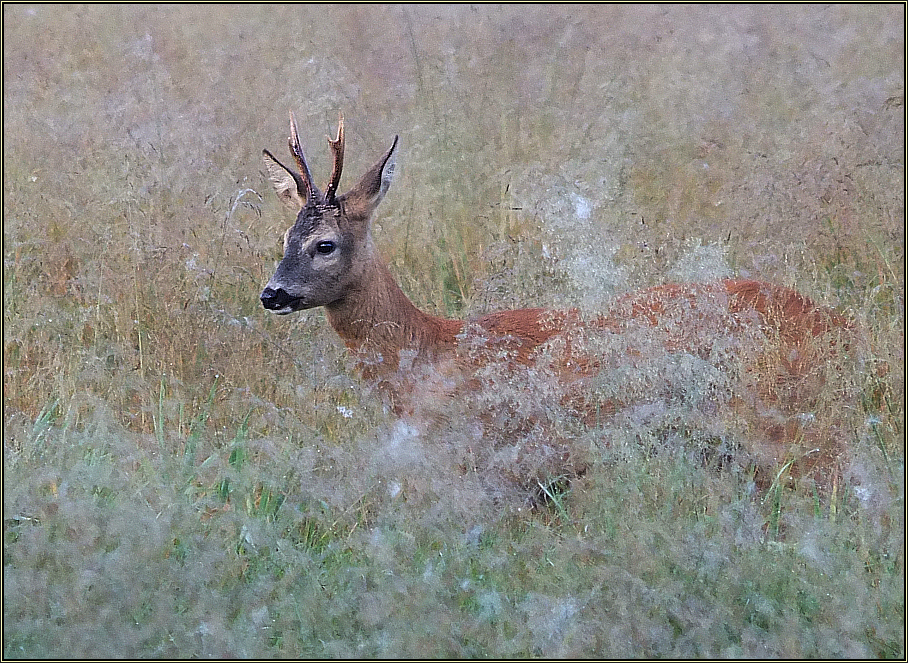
(330, 260)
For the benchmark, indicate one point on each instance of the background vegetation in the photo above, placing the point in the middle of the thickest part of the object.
(187, 475)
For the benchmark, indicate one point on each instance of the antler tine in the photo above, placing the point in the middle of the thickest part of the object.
(297, 151)
(337, 147)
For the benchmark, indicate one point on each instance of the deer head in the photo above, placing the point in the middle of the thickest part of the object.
(328, 249)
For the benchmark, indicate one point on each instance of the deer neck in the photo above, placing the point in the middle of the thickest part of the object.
(377, 317)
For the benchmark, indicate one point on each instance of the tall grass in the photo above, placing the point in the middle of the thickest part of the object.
(185, 475)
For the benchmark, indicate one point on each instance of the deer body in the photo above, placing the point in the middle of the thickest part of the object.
(330, 260)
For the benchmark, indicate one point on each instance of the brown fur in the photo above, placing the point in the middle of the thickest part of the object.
(782, 337)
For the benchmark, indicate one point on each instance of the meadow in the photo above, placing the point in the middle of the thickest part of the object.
(188, 475)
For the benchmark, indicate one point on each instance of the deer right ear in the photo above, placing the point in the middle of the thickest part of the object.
(287, 185)
(366, 195)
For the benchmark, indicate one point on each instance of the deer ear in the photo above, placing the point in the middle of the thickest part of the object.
(287, 184)
(365, 196)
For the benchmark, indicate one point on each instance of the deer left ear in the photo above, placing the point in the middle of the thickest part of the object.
(365, 196)
(286, 184)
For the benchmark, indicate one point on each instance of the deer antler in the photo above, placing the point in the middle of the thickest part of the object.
(337, 147)
(297, 151)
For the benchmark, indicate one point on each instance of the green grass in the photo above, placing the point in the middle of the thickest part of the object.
(187, 475)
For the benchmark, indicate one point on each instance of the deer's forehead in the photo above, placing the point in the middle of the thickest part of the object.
(316, 220)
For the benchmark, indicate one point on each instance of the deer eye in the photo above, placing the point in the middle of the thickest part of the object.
(325, 247)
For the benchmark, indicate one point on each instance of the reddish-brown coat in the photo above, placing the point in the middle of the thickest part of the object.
(330, 260)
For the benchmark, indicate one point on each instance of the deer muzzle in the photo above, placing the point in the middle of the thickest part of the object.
(280, 301)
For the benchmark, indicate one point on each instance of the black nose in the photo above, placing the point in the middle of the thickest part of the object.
(275, 299)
